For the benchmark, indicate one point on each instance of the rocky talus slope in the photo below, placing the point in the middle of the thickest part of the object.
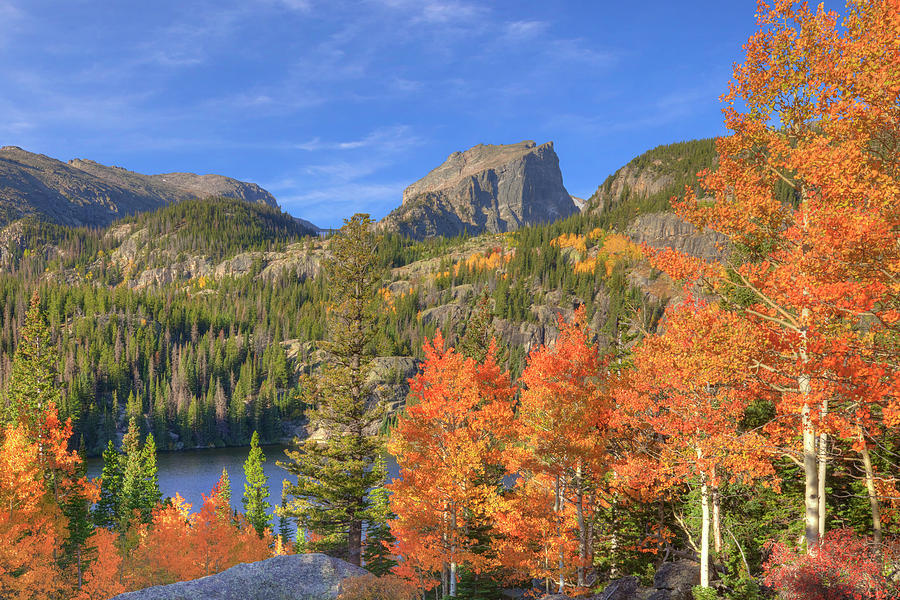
(294, 577)
(83, 192)
(487, 188)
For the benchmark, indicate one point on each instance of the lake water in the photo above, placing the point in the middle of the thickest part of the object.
(192, 473)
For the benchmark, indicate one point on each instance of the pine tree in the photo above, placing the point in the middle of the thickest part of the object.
(129, 481)
(224, 491)
(32, 385)
(129, 498)
(256, 490)
(225, 486)
(149, 495)
(378, 557)
(284, 525)
(334, 477)
(106, 510)
(77, 510)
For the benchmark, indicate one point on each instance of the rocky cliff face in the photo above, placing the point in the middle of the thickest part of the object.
(83, 192)
(630, 180)
(648, 181)
(667, 230)
(293, 577)
(485, 189)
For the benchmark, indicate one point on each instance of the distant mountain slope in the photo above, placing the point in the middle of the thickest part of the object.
(647, 183)
(84, 192)
(487, 188)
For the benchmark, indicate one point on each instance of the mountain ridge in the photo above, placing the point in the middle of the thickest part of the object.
(83, 192)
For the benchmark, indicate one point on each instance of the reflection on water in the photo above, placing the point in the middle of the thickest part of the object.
(195, 472)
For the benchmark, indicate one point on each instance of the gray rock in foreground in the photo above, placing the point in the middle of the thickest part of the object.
(295, 577)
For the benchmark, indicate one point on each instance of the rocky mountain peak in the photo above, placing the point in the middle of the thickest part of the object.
(488, 187)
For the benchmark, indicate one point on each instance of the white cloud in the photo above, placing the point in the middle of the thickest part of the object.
(523, 30)
(385, 139)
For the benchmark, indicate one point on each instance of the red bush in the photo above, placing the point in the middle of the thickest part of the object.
(842, 567)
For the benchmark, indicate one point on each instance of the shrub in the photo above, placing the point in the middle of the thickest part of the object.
(841, 568)
(372, 587)
(703, 593)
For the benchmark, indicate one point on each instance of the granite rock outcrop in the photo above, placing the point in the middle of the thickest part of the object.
(487, 188)
(292, 577)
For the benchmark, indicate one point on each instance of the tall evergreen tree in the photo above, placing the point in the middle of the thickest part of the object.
(284, 525)
(149, 495)
(33, 382)
(129, 481)
(77, 510)
(256, 490)
(106, 511)
(335, 476)
(378, 557)
(225, 494)
(132, 475)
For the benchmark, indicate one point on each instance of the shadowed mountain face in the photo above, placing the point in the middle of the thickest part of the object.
(485, 189)
(82, 192)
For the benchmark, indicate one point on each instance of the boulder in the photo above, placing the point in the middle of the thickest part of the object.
(625, 588)
(674, 580)
(294, 577)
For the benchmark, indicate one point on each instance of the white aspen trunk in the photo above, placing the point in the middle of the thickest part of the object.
(704, 536)
(716, 521)
(810, 456)
(823, 468)
(822, 475)
(874, 503)
(582, 528)
(704, 530)
(453, 533)
(453, 579)
(810, 474)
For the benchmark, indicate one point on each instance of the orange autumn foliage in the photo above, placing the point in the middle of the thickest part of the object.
(179, 545)
(813, 109)
(682, 403)
(31, 525)
(458, 414)
(562, 425)
(102, 579)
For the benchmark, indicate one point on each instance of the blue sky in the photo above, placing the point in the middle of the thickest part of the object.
(336, 106)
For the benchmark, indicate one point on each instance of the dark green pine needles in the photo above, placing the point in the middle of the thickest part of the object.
(335, 474)
(130, 481)
(256, 489)
(33, 383)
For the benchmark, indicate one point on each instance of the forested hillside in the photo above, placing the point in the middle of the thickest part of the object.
(200, 317)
